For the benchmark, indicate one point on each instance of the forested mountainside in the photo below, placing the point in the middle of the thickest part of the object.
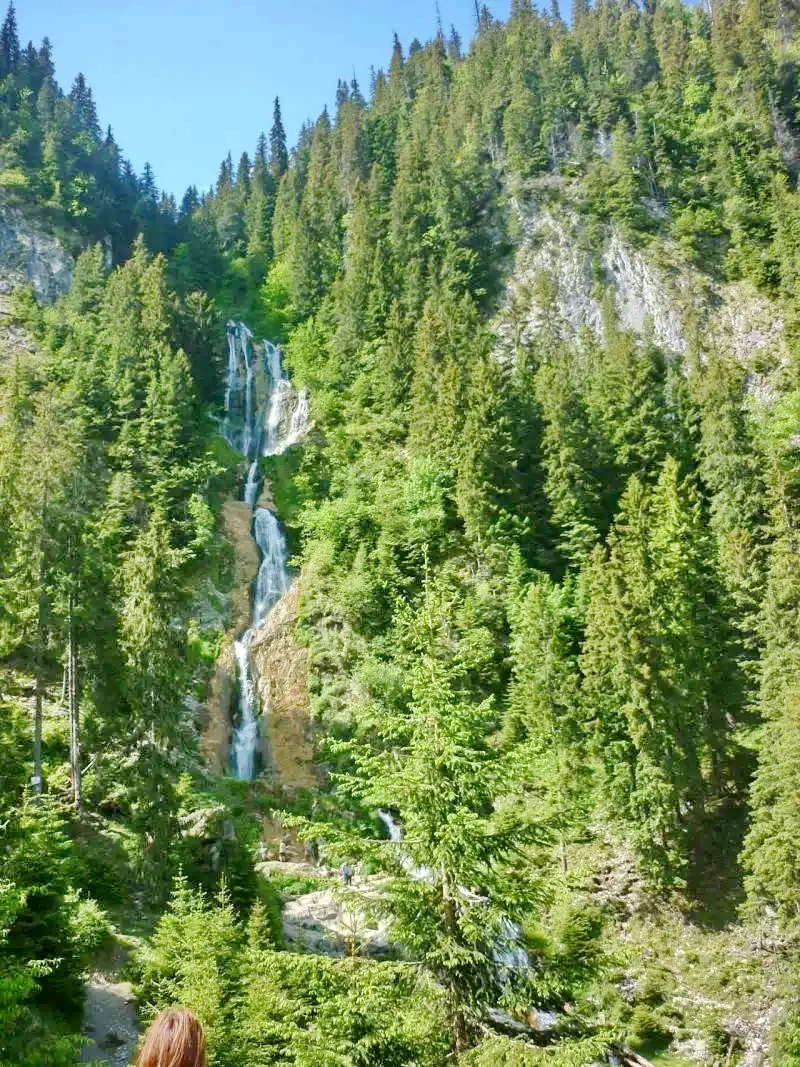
(538, 676)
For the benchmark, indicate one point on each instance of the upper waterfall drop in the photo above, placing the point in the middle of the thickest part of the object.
(287, 410)
(264, 415)
(239, 423)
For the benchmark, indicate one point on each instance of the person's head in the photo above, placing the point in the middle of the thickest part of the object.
(174, 1039)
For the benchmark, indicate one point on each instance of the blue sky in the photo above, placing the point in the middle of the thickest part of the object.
(183, 81)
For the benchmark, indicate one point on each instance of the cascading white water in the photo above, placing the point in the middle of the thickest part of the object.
(280, 397)
(239, 427)
(287, 410)
(508, 950)
(299, 421)
(273, 578)
(252, 484)
(272, 357)
(245, 736)
(232, 371)
(250, 373)
(284, 419)
(395, 832)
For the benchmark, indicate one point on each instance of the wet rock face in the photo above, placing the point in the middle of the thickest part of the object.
(237, 519)
(280, 668)
(280, 671)
(216, 736)
(30, 256)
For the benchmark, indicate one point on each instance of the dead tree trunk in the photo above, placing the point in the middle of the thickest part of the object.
(38, 661)
(74, 720)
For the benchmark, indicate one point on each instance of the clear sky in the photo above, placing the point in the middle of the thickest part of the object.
(182, 82)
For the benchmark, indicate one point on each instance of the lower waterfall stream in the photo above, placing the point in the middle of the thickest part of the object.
(255, 430)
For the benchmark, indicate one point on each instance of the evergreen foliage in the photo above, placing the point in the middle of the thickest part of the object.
(549, 585)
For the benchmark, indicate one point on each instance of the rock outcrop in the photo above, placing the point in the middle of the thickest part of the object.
(678, 302)
(280, 668)
(329, 920)
(29, 255)
(237, 519)
(326, 923)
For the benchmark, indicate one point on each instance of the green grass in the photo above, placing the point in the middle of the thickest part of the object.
(288, 886)
(664, 1058)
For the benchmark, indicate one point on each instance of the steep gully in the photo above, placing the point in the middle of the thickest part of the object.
(264, 415)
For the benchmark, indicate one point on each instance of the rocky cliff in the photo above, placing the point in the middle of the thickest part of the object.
(280, 667)
(558, 260)
(29, 255)
(237, 519)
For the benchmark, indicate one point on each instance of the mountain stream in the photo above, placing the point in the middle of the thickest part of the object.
(264, 415)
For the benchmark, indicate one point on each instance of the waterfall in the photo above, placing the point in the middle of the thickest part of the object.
(273, 578)
(395, 832)
(245, 736)
(232, 371)
(239, 427)
(252, 484)
(287, 410)
(508, 951)
(299, 421)
(258, 429)
(280, 397)
(250, 371)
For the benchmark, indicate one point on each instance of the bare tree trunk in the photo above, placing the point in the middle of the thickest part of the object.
(458, 1019)
(38, 655)
(74, 721)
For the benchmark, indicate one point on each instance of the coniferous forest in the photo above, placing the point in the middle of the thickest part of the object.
(541, 650)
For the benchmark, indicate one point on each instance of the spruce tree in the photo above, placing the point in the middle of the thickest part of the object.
(278, 154)
(190, 202)
(148, 189)
(85, 110)
(574, 462)
(225, 177)
(660, 682)
(732, 468)
(243, 175)
(770, 854)
(44, 523)
(261, 178)
(46, 60)
(544, 712)
(461, 828)
(9, 43)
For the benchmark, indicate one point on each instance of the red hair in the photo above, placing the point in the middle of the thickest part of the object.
(175, 1039)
